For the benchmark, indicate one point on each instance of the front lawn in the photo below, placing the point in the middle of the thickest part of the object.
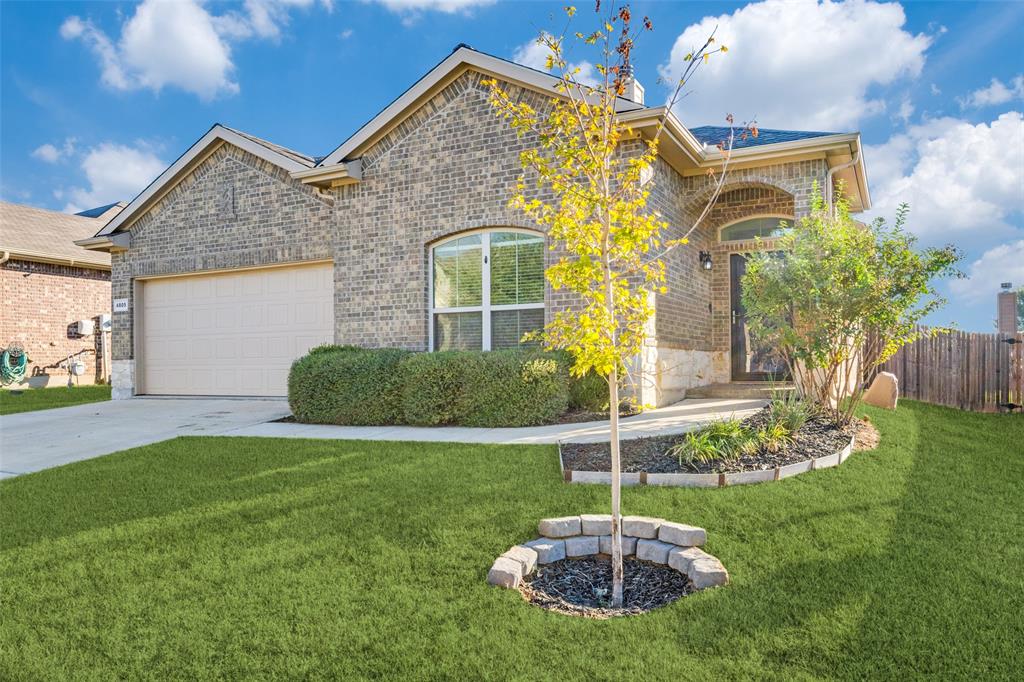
(229, 558)
(31, 399)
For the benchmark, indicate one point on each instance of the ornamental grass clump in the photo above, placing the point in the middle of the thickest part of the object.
(724, 440)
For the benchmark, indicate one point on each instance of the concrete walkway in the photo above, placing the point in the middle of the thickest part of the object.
(31, 441)
(679, 418)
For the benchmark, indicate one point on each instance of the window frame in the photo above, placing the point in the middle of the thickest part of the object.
(485, 308)
(756, 216)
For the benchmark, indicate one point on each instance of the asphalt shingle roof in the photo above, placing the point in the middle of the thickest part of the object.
(298, 157)
(712, 135)
(32, 231)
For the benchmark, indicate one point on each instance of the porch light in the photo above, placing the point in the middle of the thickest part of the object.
(705, 260)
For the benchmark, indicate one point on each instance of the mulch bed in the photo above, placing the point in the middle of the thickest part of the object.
(817, 438)
(583, 587)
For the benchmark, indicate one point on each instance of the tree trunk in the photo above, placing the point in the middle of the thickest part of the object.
(613, 418)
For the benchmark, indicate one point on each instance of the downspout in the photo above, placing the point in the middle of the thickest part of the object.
(828, 183)
(5, 257)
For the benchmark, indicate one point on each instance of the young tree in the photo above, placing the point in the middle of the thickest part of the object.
(590, 194)
(838, 298)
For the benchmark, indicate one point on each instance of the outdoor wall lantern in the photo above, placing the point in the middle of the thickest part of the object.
(705, 260)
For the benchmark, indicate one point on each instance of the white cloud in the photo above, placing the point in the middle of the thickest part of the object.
(411, 10)
(51, 154)
(346, 34)
(178, 43)
(446, 6)
(961, 180)
(115, 173)
(535, 55)
(798, 63)
(47, 153)
(1004, 263)
(995, 93)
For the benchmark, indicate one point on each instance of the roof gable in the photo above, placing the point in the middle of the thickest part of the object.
(287, 159)
(461, 59)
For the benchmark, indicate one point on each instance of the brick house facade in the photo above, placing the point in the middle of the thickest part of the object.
(434, 164)
(47, 285)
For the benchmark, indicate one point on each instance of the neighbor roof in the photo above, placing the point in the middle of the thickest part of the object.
(36, 234)
(713, 135)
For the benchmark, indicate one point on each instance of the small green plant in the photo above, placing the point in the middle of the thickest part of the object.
(725, 440)
(790, 411)
(774, 437)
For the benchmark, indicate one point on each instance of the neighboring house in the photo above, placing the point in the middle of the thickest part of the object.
(48, 284)
(243, 254)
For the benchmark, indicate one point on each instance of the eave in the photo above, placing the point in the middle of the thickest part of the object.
(336, 175)
(40, 257)
(114, 243)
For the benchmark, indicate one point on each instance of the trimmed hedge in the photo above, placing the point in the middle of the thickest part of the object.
(352, 386)
(347, 385)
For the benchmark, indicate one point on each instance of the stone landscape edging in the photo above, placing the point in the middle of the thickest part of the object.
(647, 538)
(720, 480)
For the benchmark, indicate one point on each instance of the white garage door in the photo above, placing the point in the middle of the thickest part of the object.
(233, 333)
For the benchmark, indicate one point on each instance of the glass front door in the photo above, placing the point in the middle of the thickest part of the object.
(751, 360)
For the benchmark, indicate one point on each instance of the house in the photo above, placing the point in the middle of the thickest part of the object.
(243, 254)
(48, 285)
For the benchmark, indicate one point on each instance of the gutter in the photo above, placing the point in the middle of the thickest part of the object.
(829, 191)
(39, 257)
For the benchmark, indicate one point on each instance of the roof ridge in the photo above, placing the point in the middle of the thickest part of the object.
(305, 159)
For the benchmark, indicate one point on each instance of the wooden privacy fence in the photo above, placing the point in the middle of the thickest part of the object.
(968, 370)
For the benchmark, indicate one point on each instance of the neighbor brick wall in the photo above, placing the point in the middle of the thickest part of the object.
(40, 301)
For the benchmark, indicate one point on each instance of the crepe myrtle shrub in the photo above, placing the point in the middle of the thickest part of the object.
(837, 298)
(347, 385)
(586, 181)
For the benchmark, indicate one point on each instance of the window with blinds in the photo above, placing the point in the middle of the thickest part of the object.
(487, 290)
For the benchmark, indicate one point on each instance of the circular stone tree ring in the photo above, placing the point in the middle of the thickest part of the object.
(664, 561)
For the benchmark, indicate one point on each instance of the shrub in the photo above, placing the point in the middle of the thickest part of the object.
(494, 389)
(434, 388)
(514, 388)
(589, 392)
(347, 385)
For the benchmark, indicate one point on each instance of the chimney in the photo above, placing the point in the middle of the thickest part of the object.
(1006, 310)
(634, 92)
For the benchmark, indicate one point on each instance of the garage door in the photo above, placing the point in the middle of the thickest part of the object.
(233, 333)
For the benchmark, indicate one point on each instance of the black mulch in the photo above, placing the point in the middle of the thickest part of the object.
(817, 438)
(583, 587)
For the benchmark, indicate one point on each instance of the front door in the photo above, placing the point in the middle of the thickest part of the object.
(751, 361)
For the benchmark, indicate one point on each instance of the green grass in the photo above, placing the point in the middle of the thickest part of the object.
(226, 558)
(31, 399)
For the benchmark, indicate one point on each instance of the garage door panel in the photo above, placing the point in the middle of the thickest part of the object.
(233, 333)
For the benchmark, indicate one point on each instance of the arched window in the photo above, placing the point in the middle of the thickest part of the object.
(486, 290)
(764, 227)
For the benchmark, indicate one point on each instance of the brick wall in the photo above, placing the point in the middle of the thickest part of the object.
(451, 166)
(40, 301)
(233, 210)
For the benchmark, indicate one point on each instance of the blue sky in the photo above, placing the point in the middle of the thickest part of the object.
(97, 97)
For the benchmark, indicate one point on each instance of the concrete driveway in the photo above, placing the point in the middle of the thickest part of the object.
(31, 441)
